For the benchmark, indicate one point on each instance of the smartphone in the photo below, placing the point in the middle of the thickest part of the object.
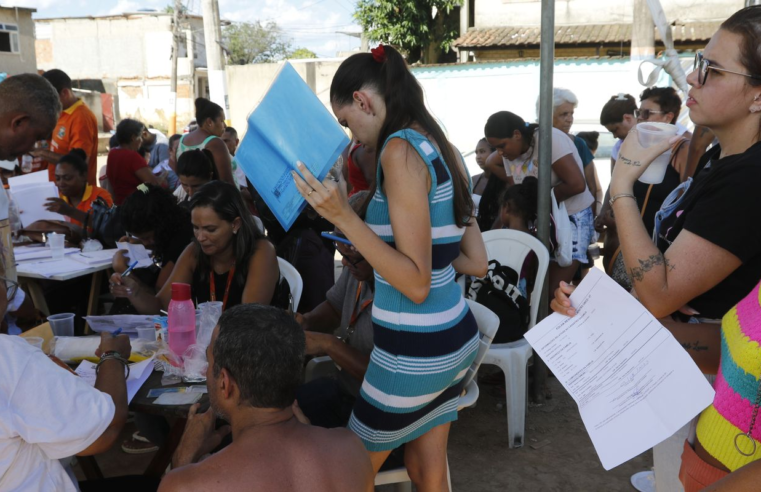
(336, 237)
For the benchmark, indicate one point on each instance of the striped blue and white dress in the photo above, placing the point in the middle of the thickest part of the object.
(422, 351)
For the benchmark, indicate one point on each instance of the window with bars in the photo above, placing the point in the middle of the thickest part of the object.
(9, 41)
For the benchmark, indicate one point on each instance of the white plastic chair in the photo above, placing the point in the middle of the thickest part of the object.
(294, 281)
(259, 224)
(488, 323)
(510, 248)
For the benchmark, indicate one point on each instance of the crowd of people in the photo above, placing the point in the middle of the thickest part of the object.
(406, 218)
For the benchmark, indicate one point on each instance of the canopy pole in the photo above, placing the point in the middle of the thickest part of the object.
(546, 69)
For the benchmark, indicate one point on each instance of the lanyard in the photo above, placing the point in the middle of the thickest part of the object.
(213, 287)
(357, 312)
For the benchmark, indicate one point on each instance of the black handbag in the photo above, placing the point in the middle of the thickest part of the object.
(499, 292)
(105, 224)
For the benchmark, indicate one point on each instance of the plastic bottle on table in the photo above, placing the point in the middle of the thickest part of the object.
(182, 319)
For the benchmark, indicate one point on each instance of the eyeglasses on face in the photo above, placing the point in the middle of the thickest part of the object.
(644, 114)
(703, 65)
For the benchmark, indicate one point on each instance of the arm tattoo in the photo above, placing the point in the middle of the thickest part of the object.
(638, 273)
(629, 162)
(696, 346)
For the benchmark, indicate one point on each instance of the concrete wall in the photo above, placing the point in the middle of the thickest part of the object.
(25, 61)
(115, 47)
(499, 13)
(132, 55)
(247, 84)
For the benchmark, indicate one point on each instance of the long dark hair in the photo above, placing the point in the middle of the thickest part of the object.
(155, 210)
(504, 123)
(405, 105)
(198, 163)
(225, 199)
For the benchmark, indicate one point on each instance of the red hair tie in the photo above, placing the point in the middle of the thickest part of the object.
(379, 53)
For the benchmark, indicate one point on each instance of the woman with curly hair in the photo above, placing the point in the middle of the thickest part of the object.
(152, 217)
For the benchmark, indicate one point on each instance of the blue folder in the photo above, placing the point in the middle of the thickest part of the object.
(290, 124)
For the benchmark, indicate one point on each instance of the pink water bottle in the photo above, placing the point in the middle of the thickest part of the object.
(182, 319)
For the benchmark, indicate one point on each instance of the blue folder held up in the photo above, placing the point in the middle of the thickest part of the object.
(290, 124)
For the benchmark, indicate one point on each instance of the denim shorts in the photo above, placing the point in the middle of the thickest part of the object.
(583, 229)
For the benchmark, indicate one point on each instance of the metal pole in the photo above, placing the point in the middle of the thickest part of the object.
(546, 69)
(173, 79)
(215, 60)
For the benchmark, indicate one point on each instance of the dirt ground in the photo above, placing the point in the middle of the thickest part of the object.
(480, 460)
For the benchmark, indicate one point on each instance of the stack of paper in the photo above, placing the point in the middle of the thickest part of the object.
(37, 252)
(51, 268)
(30, 193)
(127, 322)
(95, 258)
(290, 124)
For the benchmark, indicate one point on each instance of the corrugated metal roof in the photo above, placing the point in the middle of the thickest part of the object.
(509, 36)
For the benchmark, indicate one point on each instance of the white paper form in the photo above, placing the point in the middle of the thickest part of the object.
(634, 384)
(138, 375)
(51, 268)
(30, 200)
(136, 252)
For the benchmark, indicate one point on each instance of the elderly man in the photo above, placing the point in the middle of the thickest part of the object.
(29, 109)
(77, 128)
(255, 363)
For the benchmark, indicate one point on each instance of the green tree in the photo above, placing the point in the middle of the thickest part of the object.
(425, 29)
(302, 53)
(254, 42)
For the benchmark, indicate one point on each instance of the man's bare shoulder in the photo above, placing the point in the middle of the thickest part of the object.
(200, 477)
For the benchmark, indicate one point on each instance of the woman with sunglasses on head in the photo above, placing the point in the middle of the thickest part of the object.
(708, 254)
(419, 229)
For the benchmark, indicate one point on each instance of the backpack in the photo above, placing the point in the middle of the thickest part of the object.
(106, 223)
(499, 292)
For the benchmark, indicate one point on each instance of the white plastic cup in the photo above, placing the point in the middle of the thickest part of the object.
(62, 324)
(650, 134)
(56, 242)
(35, 341)
(147, 333)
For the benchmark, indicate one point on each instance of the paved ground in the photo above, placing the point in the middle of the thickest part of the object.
(481, 461)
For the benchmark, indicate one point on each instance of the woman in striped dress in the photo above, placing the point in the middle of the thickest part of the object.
(420, 229)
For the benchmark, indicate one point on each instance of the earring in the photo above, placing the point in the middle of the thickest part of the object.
(235, 231)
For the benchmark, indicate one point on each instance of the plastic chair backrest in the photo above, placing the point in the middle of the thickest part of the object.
(488, 323)
(294, 281)
(259, 224)
(509, 248)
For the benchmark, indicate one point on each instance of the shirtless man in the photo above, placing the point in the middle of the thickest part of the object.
(255, 365)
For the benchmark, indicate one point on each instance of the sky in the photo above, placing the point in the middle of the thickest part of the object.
(310, 24)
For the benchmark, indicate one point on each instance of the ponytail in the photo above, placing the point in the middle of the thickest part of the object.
(504, 124)
(385, 71)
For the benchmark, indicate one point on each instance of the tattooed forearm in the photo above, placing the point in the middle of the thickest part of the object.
(694, 346)
(638, 273)
(630, 162)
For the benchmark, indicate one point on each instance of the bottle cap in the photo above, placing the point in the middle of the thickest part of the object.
(180, 292)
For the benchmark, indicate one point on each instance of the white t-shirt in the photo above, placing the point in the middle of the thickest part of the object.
(46, 414)
(528, 165)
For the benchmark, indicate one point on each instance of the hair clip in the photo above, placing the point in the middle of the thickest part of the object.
(144, 188)
(379, 53)
(621, 97)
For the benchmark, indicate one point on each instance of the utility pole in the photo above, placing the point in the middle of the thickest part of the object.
(643, 32)
(173, 79)
(215, 60)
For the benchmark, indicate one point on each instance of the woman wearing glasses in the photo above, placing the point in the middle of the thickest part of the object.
(708, 256)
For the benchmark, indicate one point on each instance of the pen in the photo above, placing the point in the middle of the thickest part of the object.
(129, 270)
(117, 332)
